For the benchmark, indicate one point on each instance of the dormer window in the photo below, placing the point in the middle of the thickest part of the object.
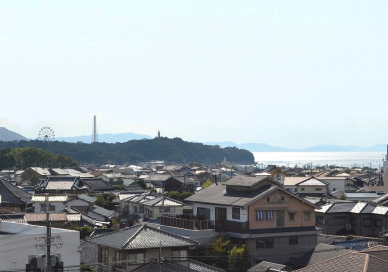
(267, 199)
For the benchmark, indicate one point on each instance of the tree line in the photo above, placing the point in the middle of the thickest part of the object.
(171, 150)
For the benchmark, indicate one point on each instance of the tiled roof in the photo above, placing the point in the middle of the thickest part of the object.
(40, 217)
(381, 198)
(341, 207)
(167, 202)
(262, 266)
(370, 260)
(101, 211)
(10, 194)
(312, 182)
(242, 180)
(142, 237)
(15, 218)
(292, 181)
(320, 253)
(216, 194)
(87, 198)
(60, 182)
(97, 184)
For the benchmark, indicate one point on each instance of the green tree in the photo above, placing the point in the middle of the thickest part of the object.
(34, 179)
(141, 183)
(174, 195)
(239, 258)
(84, 232)
(207, 183)
(185, 195)
(220, 245)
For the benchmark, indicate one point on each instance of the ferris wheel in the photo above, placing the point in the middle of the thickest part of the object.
(46, 134)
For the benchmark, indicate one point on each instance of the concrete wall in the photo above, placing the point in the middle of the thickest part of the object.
(282, 251)
(20, 246)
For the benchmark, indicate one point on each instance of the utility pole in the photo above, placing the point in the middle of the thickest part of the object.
(48, 236)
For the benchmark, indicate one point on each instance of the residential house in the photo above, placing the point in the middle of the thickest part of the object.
(129, 248)
(21, 247)
(62, 185)
(81, 202)
(360, 218)
(151, 206)
(97, 185)
(312, 187)
(260, 214)
(56, 203)
(14, 198)
(39, 172)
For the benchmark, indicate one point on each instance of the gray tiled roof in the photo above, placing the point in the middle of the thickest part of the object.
(320, 253)
(101, 211)
(87, 198)
(262, 266)
(243, 180)
(341, 207)
(142, 237)
(10, 194)
(217, 194)
(97, 184)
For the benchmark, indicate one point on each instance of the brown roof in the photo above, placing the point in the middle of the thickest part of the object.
(370, 260)
(40, 217)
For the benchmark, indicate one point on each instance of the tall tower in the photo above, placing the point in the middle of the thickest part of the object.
(95, 135)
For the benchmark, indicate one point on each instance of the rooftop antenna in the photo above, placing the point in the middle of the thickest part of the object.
(95, 134)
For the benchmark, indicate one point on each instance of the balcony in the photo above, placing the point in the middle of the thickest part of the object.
(186, 222)
(192, 223)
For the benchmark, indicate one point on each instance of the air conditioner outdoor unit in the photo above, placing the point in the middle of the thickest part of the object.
(348, 226)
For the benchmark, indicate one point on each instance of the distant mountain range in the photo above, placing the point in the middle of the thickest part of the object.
(7, 135)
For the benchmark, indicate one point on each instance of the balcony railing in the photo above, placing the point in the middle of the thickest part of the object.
(186, 222)
(192, 223)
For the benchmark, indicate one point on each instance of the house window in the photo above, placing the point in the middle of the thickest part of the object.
(204, 213)
(321, 220)
(236, 213)
(264, 243)
(318, 189)
(292, 216)
(135, 209)
(267, 199)
(136, 257)
(366, 222)
(302, 189)
(118, 259)
(179, 255)
(295, 190)
(282, 198)
(166, 209)
(51, 208)
(259, 215)
(293, 240)
(354, 221)
(306, 216)
(270, 215)
(379, 223)
(141, 209)
(104, 255)
(149, 213)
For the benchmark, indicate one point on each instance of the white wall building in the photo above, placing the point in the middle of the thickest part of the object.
(19, 244)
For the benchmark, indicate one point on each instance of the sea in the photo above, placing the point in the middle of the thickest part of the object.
(300, 159)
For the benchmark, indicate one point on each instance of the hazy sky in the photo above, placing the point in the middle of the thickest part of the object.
(286, 73)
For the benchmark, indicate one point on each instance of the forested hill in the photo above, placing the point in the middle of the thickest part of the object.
(171, 150)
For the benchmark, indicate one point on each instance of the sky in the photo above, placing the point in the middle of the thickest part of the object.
(286, 73)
